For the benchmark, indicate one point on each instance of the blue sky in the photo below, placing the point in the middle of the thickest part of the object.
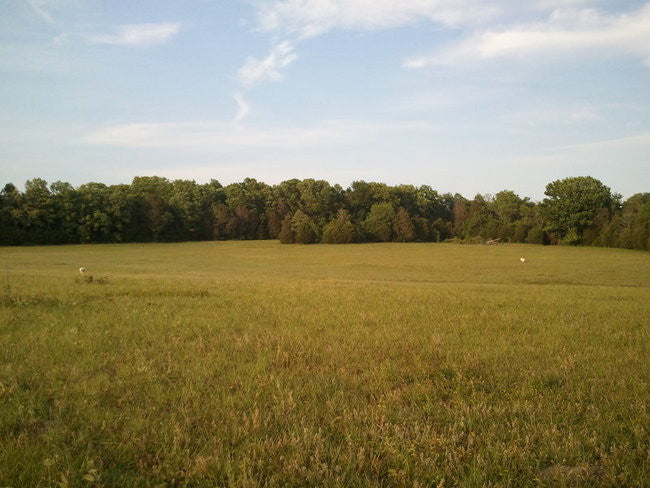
(467, 96)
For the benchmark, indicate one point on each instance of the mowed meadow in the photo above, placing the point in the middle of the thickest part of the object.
(250, 364)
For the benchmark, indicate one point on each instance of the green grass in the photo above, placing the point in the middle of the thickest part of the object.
(258, 364)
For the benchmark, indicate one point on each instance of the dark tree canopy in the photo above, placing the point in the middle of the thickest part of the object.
(578, 210)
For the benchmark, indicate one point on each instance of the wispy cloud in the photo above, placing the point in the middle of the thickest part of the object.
(243, 108)
(308, 18)
(40, 8)
(199, 135)
(138, 34)
(270, 68)
(639, 141)
(221, 136)
(296, 20)
(567, 31)
(553, 116)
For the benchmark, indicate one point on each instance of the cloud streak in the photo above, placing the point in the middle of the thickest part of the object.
(138, 34)
(243, 108)
(254, 70)
(309, 18)
(39, 7)
(568, 29)
(566, 32)
(222, 136)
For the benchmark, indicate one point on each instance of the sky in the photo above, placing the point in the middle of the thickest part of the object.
(467, 96)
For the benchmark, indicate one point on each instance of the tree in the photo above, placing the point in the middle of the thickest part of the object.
(507, 206)
(11, 232)
(441, 230)
(319, 199)
(95, 224)
(535, 236)
(37, 212)
(340, 230)
(572, 205)
(304, 229)
(379, 222)
(634, 228)
(287, 236)
(460, 213)
(155, 219)
(361, 196)
(247, 203)
(188, 204)
(403, 229)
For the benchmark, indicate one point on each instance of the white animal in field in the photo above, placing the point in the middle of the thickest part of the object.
(82, 270)
(523, 260)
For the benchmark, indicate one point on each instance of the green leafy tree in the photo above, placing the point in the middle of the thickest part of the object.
(319, 199)
(96, 224)
(441, 230)
(188, 204)
(287, 235)
(11, 230)
(403, 228)
(481, 221)
(506, 207)
(304, 229)
(340, 230)
(37, 214)
(361, 196)
(460, 214)
(634, 228)
(572, 206)
(535, 236)
(247, 204)
(378, 225)
(155, 219)
(123, 207)
(65, 203)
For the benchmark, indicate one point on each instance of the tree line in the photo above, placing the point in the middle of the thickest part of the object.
(576, 211)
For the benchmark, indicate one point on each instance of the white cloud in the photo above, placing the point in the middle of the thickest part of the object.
(138, 34)
(308, 18)
(243, 108)
(222, 136)
(296, 20)
(301, 19)
(268, 69)
(567, 31)
(198, 135)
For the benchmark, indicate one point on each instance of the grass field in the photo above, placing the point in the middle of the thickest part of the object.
(258, 364)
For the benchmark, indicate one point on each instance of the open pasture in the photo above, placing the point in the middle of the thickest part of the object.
(259, 364)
